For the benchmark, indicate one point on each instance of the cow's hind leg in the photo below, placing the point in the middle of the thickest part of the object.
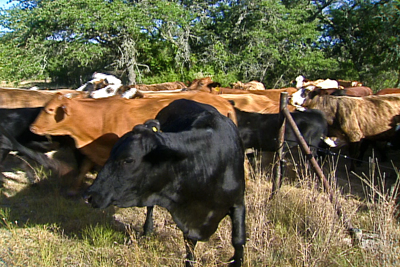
(237, 215)
(190, 244)
(148, 224)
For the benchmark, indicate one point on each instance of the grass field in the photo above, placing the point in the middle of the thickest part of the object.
(298, 227)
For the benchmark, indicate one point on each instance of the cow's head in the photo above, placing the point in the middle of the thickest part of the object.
(204, 84)
(53, 116)
(299, 97)
(109, 90)
(136, 170)
(93, 85)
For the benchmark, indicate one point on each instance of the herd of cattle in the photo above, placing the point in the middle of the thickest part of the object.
(171, 144)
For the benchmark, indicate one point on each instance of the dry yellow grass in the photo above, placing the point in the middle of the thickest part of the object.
(298, 227)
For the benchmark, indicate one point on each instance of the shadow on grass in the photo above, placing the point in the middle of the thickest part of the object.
(42, 202)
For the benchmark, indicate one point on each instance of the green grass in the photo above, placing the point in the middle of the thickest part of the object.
(298, 227)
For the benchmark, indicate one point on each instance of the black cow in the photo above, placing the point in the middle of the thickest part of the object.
(194, 168)
(16, 136)
(16, 122)
(260, 131)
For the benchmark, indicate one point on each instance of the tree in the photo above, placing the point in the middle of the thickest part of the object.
(77, 37)
(261, 40)
(363, 36)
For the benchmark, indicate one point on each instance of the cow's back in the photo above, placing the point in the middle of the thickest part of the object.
(358, 91)
(388, 91)
(221, 104)
(23, 98)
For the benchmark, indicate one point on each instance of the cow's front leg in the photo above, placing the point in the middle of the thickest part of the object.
(190, 244)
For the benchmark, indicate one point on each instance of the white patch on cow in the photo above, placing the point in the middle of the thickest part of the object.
(110, 79)
(129, 93)
(69, 95)
(327, 84)
(34, 88)
(109, 90)
(97, 76)
(298, 98)
(82, 87)
(299, 81)
(329, 141)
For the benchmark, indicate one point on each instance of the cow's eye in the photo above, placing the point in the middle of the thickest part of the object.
(128, 161)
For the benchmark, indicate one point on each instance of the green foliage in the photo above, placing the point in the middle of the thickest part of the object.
(270, 41)
(365, 37)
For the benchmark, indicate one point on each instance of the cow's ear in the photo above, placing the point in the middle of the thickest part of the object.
(163, 153)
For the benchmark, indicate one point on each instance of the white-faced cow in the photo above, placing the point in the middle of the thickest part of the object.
(310, 92)
(193, 167)
(101, 85)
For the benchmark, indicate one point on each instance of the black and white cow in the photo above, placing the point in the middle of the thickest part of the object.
(194, 167)
(260, 131)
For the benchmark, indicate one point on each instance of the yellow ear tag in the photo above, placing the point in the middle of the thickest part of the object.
(154, 129)
(216, 89)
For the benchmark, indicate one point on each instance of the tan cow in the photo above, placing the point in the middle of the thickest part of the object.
(252, 85)
(207, 85)
(255, 103)
(160, 86)
(359, 117)
(388, 91)
(368, 117)
(344, 83)
(23, 98)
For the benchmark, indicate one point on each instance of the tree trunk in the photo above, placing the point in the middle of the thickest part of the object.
(131, 74)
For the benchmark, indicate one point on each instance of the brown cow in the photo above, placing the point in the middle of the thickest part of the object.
(299, 97)
(345, 84)
(272, 94)
(358, 91)
(255, 103)
(96, 124)
(253, 85)
(203, 85)
(388, 91)
(369, 117)
(23, 98)
(160, 86)
(207, 85)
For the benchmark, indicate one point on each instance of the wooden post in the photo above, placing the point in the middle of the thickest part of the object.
(279, 164)
(318, 170)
